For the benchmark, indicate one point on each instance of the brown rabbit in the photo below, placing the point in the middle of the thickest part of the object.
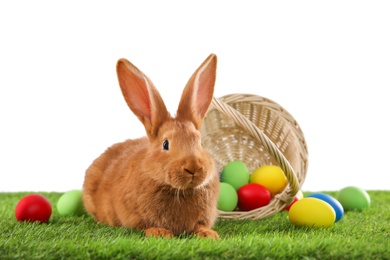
(165, 184)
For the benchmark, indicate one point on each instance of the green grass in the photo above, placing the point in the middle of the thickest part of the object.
(359, 235)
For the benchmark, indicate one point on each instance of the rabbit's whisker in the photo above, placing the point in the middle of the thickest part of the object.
(177, 191)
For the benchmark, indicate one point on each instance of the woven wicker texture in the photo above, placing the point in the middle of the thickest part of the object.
(256, 131)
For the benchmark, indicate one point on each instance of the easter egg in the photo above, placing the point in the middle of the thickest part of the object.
(296, 198)
(353, 198)
(235, 173)
(300, 194)
(228, 197)
(252, 196)
(312, 212)
(71, 203)
(33, 207)
(338, 208)
(270, 176)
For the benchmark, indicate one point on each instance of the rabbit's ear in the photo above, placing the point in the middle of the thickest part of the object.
(198, 93)
(142, 97)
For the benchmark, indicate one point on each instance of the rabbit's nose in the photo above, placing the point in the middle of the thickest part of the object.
(196, 170)
(189, 171)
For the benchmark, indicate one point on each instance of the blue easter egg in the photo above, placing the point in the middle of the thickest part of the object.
(336, 205)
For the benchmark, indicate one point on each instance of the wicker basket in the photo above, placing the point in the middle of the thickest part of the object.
(258, 132)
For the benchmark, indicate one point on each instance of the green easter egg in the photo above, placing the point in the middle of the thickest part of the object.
(228, 197)
(354, 198)
(236, 174)
(71, 203)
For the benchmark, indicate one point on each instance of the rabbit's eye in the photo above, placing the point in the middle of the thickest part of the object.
(166, 145)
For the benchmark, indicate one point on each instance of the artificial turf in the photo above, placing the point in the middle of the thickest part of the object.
(358, 235)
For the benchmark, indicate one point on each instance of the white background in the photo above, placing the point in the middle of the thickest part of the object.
(326, 62)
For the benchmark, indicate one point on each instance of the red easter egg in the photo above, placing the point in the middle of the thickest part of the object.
(252, 196)
(32, 208)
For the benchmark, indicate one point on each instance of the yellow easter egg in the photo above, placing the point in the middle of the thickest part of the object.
(270, 176)
(312, 212)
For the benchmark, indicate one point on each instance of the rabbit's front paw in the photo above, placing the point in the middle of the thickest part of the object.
(158, 232)
(207, 233)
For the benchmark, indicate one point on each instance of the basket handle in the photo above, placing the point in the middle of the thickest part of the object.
(259, 135)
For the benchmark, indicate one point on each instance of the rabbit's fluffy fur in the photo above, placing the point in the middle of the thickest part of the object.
(165, 183)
